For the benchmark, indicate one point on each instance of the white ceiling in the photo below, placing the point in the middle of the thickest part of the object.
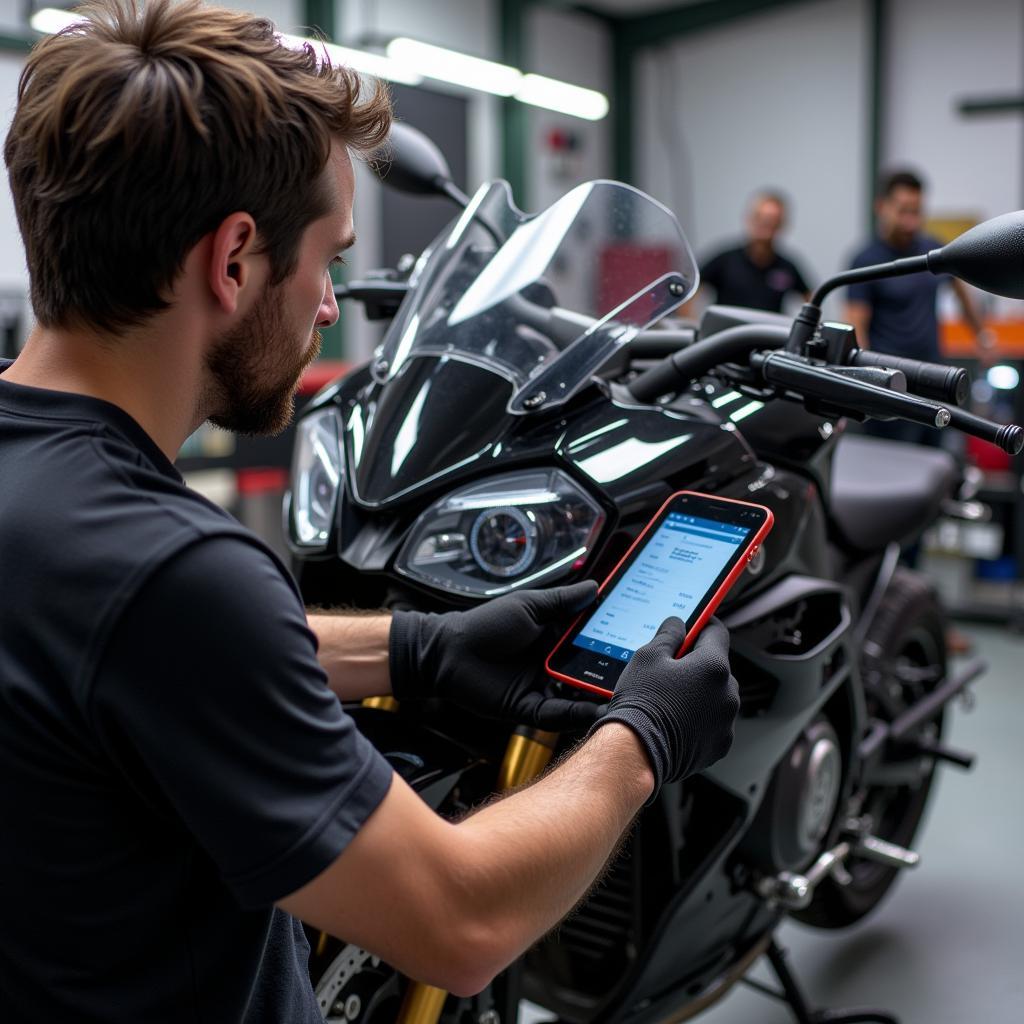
(626, 8)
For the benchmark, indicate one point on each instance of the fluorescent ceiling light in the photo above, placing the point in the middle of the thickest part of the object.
(409, 61)
(539, 91)
(458, 68)
(51, 20)
(360, 60)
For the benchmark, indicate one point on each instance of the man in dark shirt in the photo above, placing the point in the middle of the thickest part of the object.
(898, 315)
(755, 274)
(180, 785)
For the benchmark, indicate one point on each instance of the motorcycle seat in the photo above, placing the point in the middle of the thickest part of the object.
(886, 491)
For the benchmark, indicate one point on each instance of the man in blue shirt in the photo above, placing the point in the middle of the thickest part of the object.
(898, 315)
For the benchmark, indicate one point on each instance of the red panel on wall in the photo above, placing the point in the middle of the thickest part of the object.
(625, 268)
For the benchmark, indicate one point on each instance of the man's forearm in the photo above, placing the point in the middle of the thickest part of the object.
(354, 653)
(968, 308)
(528, 859)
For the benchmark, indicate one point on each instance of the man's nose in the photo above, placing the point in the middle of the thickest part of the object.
(328, 314)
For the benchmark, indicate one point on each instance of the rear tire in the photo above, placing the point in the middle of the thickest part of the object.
(904, 657)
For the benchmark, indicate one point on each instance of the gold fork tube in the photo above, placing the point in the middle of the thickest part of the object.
(422, 1004)
(383, 703)
(528, 753)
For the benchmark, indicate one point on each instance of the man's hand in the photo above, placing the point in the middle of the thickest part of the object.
(490, 659)
(682, 710)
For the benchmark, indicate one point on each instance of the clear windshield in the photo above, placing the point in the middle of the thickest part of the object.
(544, 300)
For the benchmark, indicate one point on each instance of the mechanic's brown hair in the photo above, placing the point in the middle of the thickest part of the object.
(137, 131)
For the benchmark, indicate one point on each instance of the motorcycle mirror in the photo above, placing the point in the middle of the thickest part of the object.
(411, 162)
(990, 256)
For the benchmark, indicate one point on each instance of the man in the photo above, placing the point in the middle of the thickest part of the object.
(179, 785)
(898, 315)
(755, 274)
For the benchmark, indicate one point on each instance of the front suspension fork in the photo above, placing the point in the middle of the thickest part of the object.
(528, 753)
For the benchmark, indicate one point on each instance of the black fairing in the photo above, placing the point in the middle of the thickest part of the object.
(433, 416)
(629, 457)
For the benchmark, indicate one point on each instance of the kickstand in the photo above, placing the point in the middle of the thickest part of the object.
(792, 995)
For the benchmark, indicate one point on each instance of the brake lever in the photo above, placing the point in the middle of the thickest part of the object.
(818, 382)
(839, 391)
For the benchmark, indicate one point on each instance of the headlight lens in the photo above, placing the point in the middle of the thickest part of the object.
(515, 530)
(317, 473)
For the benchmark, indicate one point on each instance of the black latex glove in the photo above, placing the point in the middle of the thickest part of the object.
(490, 659)
(683, 710)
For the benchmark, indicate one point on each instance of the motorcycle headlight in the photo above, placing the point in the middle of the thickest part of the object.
(317, 473)
(515, 530)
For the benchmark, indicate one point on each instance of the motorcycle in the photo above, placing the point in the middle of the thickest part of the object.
(524, 416)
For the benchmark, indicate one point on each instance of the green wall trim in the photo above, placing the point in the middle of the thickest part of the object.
(514, 141)
(18, 44)
(623, 55)
(661, 26)
(320, 17)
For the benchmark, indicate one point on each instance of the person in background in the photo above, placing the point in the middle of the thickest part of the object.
(755, 274)
(898, 315)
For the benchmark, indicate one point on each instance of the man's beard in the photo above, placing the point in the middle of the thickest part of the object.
(255, 371)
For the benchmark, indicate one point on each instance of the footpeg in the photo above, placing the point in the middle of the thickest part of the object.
(949, 755)
(795, 891)
(893, 856)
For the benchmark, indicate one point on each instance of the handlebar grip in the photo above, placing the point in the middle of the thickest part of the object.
(948, 384)
(1007, 436)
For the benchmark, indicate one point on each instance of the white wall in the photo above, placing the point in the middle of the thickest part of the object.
(12, 16)
(775, 100)
(13, 275)
(943, 51)
(575, 48)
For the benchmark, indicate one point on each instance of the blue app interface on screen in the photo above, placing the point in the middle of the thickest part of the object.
(676, 568)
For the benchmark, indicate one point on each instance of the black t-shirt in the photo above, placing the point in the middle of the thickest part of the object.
(904, 319)
(739, 281)
(171, 759)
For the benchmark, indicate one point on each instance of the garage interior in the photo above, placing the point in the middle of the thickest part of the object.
(709, 102)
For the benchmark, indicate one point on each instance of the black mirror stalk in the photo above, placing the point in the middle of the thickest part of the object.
(990, 256)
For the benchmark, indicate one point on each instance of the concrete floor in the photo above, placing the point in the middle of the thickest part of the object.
(947, 946)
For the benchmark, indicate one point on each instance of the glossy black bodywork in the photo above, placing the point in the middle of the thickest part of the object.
(686, 909)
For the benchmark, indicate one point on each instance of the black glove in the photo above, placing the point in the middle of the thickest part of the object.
(683, 709)
(491, 659)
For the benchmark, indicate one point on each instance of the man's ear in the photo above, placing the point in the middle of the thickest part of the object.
(233, 260)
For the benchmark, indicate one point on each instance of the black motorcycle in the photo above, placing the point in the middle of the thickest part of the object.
(520, 423)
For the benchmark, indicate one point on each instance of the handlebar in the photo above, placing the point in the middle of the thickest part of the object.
(947, 384)
(730, 345)
(1007, 436)
(828, 386)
